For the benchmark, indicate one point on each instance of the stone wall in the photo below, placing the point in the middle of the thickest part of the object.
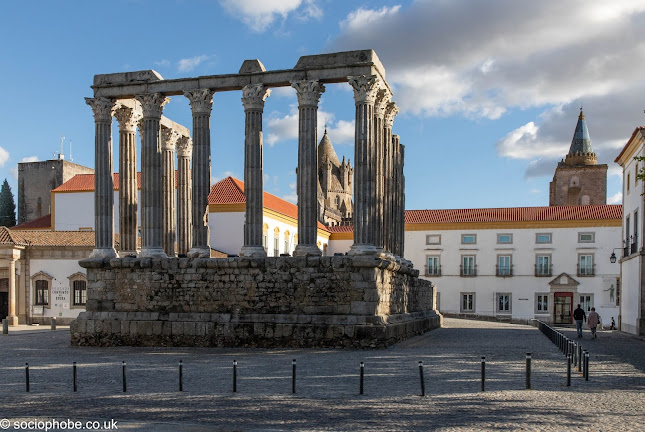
(286, 301)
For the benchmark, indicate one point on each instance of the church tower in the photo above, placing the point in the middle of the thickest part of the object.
(578, 179)
(335, 205)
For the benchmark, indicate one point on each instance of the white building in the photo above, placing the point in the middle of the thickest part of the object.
(632, 267)
(519, 263)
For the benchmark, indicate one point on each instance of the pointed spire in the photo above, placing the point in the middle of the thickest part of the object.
(580, 151)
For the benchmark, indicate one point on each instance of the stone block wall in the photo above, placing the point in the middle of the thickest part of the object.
(283, 301)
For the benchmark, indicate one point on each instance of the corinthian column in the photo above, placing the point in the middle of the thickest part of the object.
(184, 151)
(382, 99)
(389, 185)
(168, 139)
(151, 185)
(201, 102)
(103, 181)
(253, 97)
(401, 193)
(308, 95)
(127, 119)
(365, 90)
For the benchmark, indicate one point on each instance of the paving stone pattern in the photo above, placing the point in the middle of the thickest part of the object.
(328, 384)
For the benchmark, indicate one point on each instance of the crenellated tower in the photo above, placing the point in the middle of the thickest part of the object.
(334, 185)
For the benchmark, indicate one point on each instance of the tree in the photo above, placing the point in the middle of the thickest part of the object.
(7, 206)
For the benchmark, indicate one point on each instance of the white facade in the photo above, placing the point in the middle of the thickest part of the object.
(59, 275)
(492, 271)
(75, 210)
(631, 262)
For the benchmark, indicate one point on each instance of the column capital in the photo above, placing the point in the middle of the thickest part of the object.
(103, 108)
(184, 147)
(152, 104)
(391, 111)
(201, 100)
(253, 96)
(127, 118)
(365, 88)
(383, 97)
(309, 92)
(168, 138)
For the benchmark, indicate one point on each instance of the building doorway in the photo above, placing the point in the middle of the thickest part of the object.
(563, 308)
(4, 298)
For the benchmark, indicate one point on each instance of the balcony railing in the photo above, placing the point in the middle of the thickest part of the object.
(587, 270)
(504, 271)
(626, 251)
(433, 270)
(634, 246)
(467, 271)
(543, 270)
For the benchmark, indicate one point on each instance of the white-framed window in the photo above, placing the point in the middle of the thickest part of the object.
(468, 267)
(276, 246)
(432, 266)
(503, 303)
(504, 238)
(504, 265)
(586, 237)
(543, 265)
(467, 302)
(433, 239)
(636, 175)
(585, 265)
(265, 242)
(628, 181)
(541, 303)
(78, 290)
(586, 302)
(469, 239)
(543, 238)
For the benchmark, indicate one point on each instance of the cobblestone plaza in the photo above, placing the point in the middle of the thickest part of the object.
(327, 388)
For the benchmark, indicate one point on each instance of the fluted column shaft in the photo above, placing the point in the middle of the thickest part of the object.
(151, 176)
(365, 90)
(168, 140)
(382, 99)
(307, 183)
(184, 198)
(128, 199)
(389, 184)
(201, 103)
(103, 181)
(401, 185)
(253, 101)
(397, 195)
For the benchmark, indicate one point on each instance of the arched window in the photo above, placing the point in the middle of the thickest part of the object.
(265, 237)
(287, 249)
(276, 242)
(337, 201)
(41, 283)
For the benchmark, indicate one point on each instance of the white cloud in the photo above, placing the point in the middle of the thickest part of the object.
(617, 198)
(282, 128)
(292, 196)
(4, 156)
(162, 63)
(189, 64)
(258, 15)
(587, 49)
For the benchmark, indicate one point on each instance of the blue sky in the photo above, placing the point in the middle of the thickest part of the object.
(489, 91)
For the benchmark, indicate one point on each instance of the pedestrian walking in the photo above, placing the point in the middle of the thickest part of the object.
(613, 324)
(593, 321)
(580, 317)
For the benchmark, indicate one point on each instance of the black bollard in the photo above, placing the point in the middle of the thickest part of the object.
(293, 376)
(74, 375)
(123, 377)
(27, 377)
(234, 376)
(584, 363)
(579, 357)
(483, 373)
(423, 385)
(586, 366)
(362, 373)
(569, 371)
(528, 371)
(181, 376)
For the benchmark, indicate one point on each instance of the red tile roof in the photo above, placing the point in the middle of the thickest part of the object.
(340, 229)
(47, 238)
(231, 191)
(85, 183)
(44, 222)
(515, 214)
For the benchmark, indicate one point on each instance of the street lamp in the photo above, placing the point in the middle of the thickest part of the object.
(612, 258)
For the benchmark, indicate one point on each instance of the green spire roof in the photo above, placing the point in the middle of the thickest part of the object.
(581, 142)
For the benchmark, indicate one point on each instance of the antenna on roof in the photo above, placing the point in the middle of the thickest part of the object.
(61, 155)
(71, 159)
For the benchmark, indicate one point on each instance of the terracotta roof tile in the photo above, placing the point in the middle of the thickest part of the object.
(47, 238)
(7, 236)
(340, 229)
(85, 183)
(515, 214)
(231, 191)
(44, 222)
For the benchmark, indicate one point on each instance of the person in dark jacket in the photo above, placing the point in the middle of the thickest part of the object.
(579, 316)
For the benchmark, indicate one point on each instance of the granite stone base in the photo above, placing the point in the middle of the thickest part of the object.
(362, 302)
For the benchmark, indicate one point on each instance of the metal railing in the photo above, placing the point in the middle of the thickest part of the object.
(543, 270)
(587, 270)
(433, 271)
(468, 271)
(503, 271)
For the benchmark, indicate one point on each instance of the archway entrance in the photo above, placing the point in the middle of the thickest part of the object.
(563, 308)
